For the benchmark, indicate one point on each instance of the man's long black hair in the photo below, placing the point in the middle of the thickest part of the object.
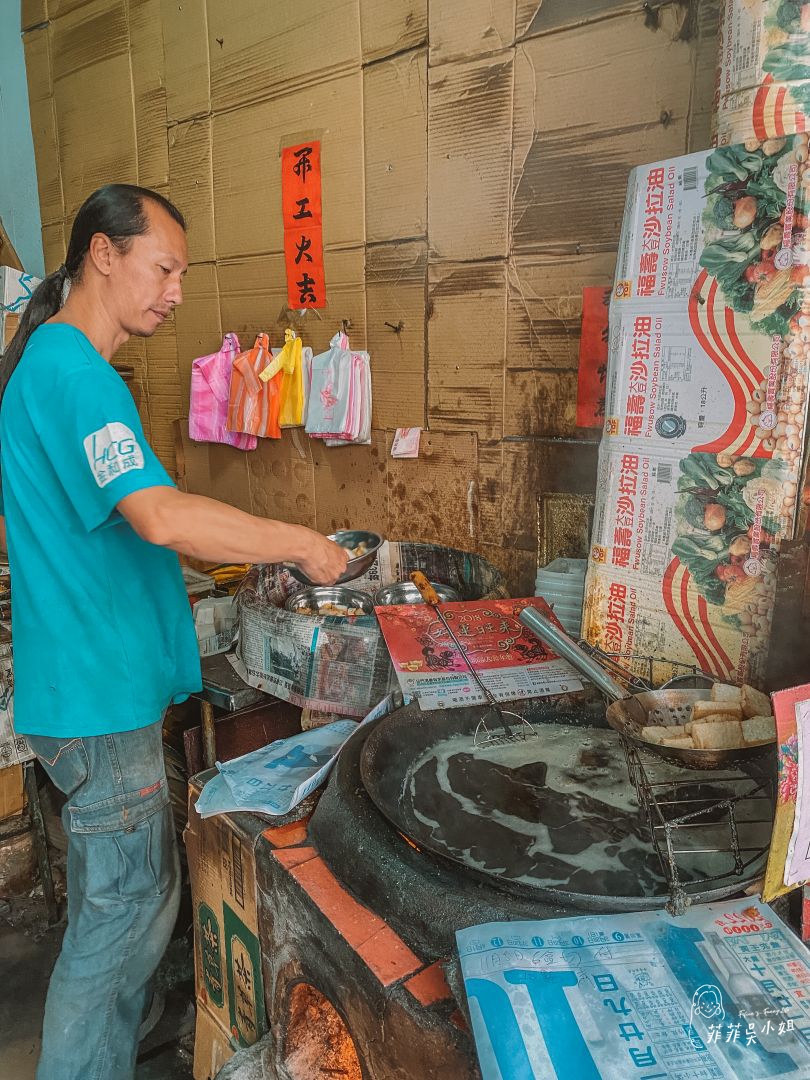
(117, 210)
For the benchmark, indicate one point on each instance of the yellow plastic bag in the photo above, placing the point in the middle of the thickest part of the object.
(292, 381)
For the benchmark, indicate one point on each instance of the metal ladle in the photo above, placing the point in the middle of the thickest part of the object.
(484, 735)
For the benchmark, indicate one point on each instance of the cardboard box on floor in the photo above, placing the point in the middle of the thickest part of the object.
(227, 957)
(213, 1045)
(12, 798)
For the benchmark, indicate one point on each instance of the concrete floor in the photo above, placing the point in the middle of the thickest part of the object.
(25, 967)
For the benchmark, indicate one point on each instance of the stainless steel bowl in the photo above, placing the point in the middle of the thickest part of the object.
(405, 592)
(349, 538)
(309, 600)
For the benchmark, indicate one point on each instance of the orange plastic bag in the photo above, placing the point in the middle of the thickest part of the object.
(254, 403)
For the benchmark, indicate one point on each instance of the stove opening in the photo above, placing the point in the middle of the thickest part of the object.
(318, 1045)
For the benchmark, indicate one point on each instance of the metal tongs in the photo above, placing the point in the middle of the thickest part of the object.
(484, 734)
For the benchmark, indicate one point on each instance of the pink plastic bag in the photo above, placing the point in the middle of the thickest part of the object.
(210, 389)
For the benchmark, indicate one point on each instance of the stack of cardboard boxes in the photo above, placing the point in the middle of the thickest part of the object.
(702, 460)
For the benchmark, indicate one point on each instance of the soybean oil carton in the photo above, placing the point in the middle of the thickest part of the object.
(702, 451)
(763, 80)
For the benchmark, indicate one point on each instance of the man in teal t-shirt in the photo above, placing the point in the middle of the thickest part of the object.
(103, 635)
(103, 641)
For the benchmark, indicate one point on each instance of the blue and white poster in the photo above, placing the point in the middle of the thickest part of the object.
(721, 993)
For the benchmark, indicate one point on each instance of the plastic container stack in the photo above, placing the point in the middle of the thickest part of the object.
(562, 586)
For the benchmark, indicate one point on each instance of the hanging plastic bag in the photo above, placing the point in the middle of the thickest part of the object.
(210, 390)
(331, 390)
(255, 403)
(290, 361)
(359, 423)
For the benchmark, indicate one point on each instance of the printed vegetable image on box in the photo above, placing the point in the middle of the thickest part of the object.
(706, 403)
(763, 87)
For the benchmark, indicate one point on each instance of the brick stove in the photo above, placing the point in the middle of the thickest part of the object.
(346, 996)
(357, 968)
(358, 946)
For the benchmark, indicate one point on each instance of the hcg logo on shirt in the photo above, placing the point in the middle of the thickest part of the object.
(112, 451)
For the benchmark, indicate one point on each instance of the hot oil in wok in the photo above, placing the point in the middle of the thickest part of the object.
(558, 811)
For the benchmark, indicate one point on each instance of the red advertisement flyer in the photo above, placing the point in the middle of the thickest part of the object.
(510, 661)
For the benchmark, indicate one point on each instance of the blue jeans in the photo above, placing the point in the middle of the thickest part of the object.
(123, 885)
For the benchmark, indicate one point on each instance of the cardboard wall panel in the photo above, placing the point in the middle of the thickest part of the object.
(133, 354)
(490, 491)
(540, 402)
(191, 184)
(395, 135)
(282, 479)
(545, 307)
(434, 498)
(591, 103)
(467, 347)
(197, 323)
(37, 45)
(230, 476)
(185, 48)
(278, 48)
(469, 157)
(350, 486)
(193, 461)
(460, 29)
(391, 26)
(33, 13)
(96, 142)
(54, 245)
(253, 297)
(149, 92)
(56, 8)
(703, 39)
(396, 277)
(536, 17)
(163, 389)
(247, 166)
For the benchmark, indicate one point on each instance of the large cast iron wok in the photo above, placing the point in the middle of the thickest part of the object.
(510, 823)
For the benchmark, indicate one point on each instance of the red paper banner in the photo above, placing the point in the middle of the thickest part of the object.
(593, 357)
(301, 212)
